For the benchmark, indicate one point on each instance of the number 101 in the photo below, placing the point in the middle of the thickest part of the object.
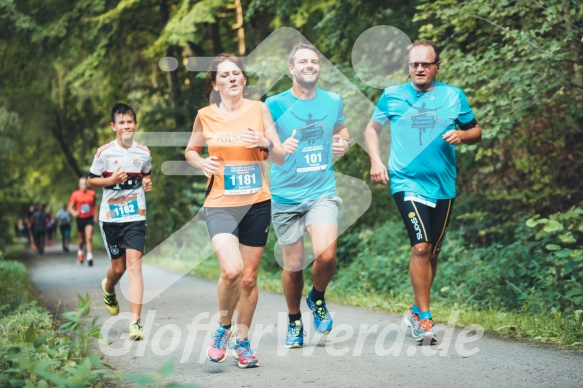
(314, 158)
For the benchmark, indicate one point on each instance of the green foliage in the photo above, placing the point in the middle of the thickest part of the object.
(521, 65)
(15, 287)
(33, 353)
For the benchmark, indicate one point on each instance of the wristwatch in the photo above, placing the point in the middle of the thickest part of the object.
(269, 146)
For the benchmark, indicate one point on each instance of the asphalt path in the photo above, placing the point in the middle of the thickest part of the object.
(365, 349)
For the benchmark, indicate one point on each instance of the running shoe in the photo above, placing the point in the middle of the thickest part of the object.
(322, 319)
(90, 262)
(411, 320)
(217, 350)
(295, 335)
(136, 331)
(424, 332)
(110, 300)
(80, 257)
(244, 354)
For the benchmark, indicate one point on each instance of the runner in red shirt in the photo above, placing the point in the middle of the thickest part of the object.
(82, 206)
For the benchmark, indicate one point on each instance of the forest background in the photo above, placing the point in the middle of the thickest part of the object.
(515, 240)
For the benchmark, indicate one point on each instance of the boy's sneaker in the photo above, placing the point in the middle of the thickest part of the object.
(110, 300)
(217, 350)
(295, 335)
(424, 332)
(80, 257)
(322, 319)
(136, 331)
(411, 320)
(90, 262)
(244, 354)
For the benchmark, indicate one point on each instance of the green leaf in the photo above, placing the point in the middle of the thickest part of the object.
(30, 335)
(140, 379)
(553, 247)
(532, 222)
(167, 369)
(553, 226)
(567, 238)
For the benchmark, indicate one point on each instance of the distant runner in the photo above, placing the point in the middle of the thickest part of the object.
(82, 206)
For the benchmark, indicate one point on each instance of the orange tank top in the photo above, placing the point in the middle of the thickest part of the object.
(241, 179)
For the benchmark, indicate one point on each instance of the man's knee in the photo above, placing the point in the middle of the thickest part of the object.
(294, 261)
(248, 282)
(231, 276)
(421, 251)
(327, 257)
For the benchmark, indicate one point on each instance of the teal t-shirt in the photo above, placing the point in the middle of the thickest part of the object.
(420, 160)
(307, 174)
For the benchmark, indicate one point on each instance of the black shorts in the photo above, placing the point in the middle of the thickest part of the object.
(83, 222)
(119, 236)
(425, 223)
(250, 224)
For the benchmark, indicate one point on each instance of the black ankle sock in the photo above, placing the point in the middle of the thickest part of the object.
(225, 326)
(295, 317)
(317, 295)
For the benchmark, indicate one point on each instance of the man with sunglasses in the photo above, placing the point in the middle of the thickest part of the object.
(428, 119)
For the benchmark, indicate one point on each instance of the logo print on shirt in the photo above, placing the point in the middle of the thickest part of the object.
(314, 128)
(424, 119)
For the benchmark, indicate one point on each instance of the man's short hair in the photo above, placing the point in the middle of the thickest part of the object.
(429, 43)
(301, 46)
(122, 109)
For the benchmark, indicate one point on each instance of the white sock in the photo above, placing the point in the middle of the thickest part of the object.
(90, 256)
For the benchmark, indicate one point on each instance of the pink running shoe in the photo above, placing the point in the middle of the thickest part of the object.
(244, 354)
(217, 350)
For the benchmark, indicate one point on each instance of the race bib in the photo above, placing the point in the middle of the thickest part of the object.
(85, 208)
(312, 158)
(125, 210)
(242, 179)
(411, 196)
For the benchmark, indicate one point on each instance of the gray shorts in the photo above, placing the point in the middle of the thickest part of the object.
(290, 220)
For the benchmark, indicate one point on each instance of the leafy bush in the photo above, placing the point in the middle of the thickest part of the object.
(33, 353)
(542, 268)
(15, 288)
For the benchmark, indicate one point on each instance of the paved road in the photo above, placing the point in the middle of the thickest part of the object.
(365, 349)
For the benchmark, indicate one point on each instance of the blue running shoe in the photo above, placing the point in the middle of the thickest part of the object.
(295, 335)
(322, 319)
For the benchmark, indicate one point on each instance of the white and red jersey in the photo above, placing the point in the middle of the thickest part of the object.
(123, 202)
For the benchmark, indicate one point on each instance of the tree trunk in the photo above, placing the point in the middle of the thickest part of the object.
(58, 130)
(216, 38)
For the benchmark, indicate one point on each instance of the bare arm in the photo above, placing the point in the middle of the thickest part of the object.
(256, 139)
(372, 136)
(468, 136)
(99, 182)
(341, 140)
(192, 152)
(73, 212)
(147, 182)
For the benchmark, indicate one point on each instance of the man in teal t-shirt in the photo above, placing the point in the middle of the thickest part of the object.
(303, 189)
(422, 166)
